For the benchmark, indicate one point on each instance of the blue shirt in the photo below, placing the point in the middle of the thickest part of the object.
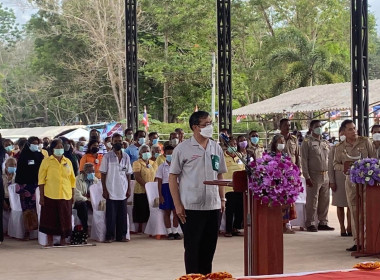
(133, 153)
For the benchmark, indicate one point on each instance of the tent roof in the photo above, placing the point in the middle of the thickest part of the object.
(329, 97)
(77, 133)
(49, 131)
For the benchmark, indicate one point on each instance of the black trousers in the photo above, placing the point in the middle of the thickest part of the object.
(116, 216)
(1, 211)
(234, 211)
(82, 208)
(200, 237)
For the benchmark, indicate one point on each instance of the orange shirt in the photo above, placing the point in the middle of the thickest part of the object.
(96, 161)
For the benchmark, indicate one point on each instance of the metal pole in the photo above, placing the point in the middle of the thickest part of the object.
(213, 83)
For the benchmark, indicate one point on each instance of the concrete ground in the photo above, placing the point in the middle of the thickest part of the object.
(147, 258)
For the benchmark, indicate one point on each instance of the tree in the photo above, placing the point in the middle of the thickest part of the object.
(303, 63)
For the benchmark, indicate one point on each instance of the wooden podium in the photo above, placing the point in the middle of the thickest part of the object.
(263, 236)
(367, 221)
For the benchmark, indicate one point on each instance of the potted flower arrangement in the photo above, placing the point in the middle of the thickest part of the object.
(365, 171)
(275, 180)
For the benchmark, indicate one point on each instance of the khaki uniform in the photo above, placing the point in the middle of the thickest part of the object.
(293, 150)
(377, 151)
(255, 151)
(362, 148)
(314, 159)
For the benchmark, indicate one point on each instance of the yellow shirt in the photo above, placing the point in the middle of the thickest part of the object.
(147, 173)
(58, 178)
(160, 160)
(232, 166)
(45, 153)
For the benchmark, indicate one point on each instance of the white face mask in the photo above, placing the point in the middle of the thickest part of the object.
(207, 131)
(342, 138)
(280, 147)
(376, 137)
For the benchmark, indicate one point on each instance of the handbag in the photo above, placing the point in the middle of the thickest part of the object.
(30, 220)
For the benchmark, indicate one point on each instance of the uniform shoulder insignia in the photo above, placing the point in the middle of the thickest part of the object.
(306, 140)
(339, 144)
(362, 138)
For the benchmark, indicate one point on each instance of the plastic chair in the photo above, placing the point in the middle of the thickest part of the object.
(42, 237)
(155, 225)
(133, 226)
(98, 228)
(16, 221)
(300, 207)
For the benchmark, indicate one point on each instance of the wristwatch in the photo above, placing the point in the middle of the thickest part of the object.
(223, 199)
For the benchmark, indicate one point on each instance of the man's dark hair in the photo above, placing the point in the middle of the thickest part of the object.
(252, 131)
(178, 130)
(31, 139)
(116, 135)
(196, 117)
(225, 129)
(137, 134)
(345, 123)
(313, 122)
(282, 121)
(168, 148)
(107, 138)
(375, 126)
(152, 134)
(127, 130)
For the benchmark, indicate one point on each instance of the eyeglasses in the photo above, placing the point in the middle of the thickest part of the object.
(204, 125)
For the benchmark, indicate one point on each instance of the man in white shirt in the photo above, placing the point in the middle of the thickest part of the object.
(198, 206)
(116, 176)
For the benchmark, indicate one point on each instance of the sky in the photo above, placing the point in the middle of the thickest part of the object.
(23, 10)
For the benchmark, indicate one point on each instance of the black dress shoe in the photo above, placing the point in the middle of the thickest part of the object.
(312, 228)
(325, 227)
(349, 233)
(343, 234)
(352, 249)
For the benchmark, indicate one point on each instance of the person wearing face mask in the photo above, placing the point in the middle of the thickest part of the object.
(79, 147)
(376, 139)
(144, 170)
(166, 200)
(56, 181)
(180, 133)
(337, 185)
(353, 148)
(128, 134)
(314, 158)
(277, 147)
(28, 165)
(116, 178)
(8, 146)
(154, 139)
(92, 155)
(173, 139)
(108, 143)
(133, 150)
(291, 143)
(95, 136)
(254, 150)
(21, 142)
(9, 175)
(198, 206)
(69, 153)
(234, 203)
(82, 201)
(156, 153)
(242, 145)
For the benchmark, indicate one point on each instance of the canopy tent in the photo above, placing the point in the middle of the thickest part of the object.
(77, 133)
(325, 98)
(49, 131)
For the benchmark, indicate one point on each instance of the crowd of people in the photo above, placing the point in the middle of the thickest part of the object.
(63, 170)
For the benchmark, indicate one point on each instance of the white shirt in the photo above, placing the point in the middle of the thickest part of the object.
(163, 172)
(116, 181)
(192, 163)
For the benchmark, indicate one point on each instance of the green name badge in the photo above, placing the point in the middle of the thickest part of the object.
(215, 162)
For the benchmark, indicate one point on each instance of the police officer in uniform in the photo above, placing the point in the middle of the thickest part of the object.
(291, 142)
(255, 150)
(314, 159)
(353, 148)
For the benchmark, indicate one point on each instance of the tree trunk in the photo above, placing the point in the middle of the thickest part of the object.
(166, 85)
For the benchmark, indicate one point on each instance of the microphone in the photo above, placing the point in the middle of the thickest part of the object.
(224, 138)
